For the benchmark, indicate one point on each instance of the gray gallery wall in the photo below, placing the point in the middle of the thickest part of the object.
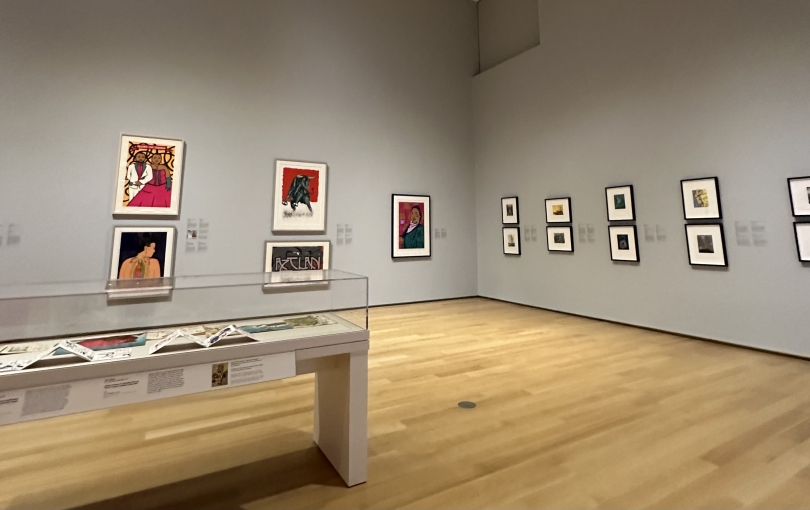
(506, 28)
(380, 91)
(649, 92)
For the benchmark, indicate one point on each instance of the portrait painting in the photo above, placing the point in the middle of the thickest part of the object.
(299, 201)
(511, 240)
(509, 211)
(149, 176)
(620, 203)
(142, 253)
(706, 244)
(560, 239)
(623, 243)
(701, 198)
(410, 226)
(558, 210)
(799, 188)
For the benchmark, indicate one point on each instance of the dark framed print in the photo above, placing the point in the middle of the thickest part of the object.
(621, 205)
(802, 231)
(509, 211)
(558, 210)
(295, 261)
(560, 239)
(142, 253)
(799, 195)
(706, 245)
(701, 199)
(511, 240)
(623, 243)
(410, 229)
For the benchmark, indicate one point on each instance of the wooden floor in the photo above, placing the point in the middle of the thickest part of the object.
(572, 413)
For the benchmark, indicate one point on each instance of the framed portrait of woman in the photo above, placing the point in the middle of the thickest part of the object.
(410, 230)
(149, 178)
(142, 253)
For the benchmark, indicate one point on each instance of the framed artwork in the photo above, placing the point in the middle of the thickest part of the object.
(296, 256)
(620, 203)
(299, 197)
(509, 211)
(511, 240)
(560, 239)
(150, 172)
(802, 231)
(142, 252)
(701, 199)
(558, 210)
(706, 245)
(799, 195)
(410, 229)
(623, 243)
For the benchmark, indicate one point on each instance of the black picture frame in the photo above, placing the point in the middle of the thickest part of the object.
(717, 192)
(796, 225)
(517, 211)
(632, 202)
(570, 236)
(635, 240)
(517, 238)
(722, 242)
(428, 227)
(790, 196)
(570, 210)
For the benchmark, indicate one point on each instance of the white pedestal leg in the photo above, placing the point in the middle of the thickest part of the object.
(341, 414)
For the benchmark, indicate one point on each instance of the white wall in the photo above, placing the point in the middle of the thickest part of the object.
(378, 90)
(649, 92)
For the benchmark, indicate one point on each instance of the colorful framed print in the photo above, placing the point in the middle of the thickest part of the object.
(150, 172)
(802, 231)
(701, 199)
(623, 243)
(509, 211)
(799, 195)
(560, 239)
(511, 240)
(558, 210)
(621, 205)
(410, 228)
(706, 244)
(299, 197)
(142, 253)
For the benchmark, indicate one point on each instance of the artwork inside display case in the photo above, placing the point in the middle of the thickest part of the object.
(799, 195)
(509, 211)
(410, 230)
(802, 231)
(623, 243)
(706, 245)
(149, 176)
(558, 210)
(621, 204)
(701, 198)
(511, 241)
(142, 253)
(299, 197)
(560, 239)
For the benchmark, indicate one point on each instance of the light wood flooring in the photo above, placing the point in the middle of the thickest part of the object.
(572, 413)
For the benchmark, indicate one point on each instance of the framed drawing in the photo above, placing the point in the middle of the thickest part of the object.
(410, 229)
(799, 195)
(706, 245)
(623, 243)
(621, 205)
(150, 172)
(558, 210)
(560, 239)
(299, 197)
(701, 199)
(295, 262)
(509, 211)
(802, 231)
(511, 240)
(142, 252)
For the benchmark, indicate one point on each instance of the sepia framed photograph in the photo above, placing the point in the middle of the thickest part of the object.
(511, 240)
(802, 231)
(560, 239)
(142, 253)
(558, 210)
(149, 176)
(621, 205)
(701, 199)
(706, 244)
(509, 211)
(299, 197)
(623, 243)
(410, 230)
(799, 188)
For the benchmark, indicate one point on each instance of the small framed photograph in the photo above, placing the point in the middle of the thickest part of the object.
(511, 240)
(623, 243)
(802, 231)
(509, 211)
(149, 176)
(620, 203)
(410, 230)
(701, 199)
(799, 195)
(299, 197)
(558, 210)
(706, 245)
(142, 253)
(560, 239)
